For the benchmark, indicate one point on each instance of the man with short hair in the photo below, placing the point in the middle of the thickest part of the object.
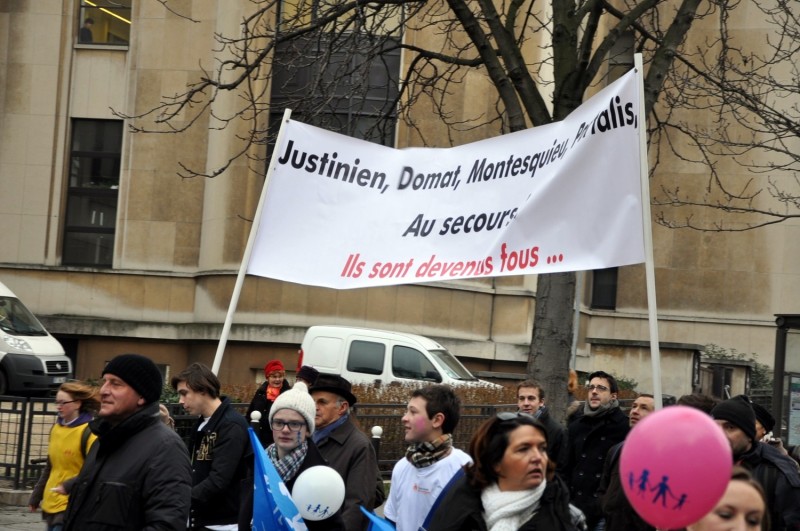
(590, 436)
(219, 449)
(530, 400)
(346, 449)
(137, 475)
(617, 510)
(431, 460)
(85, 34)
(775, 471)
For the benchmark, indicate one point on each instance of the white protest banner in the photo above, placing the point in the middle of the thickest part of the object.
(345, 213)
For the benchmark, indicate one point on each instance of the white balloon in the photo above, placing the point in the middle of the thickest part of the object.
(318, 492)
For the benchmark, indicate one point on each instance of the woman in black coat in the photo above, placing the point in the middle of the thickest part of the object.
(265, 395)
(510, 484)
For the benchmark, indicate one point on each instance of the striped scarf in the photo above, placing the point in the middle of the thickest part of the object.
(290, 464)
(425, 454)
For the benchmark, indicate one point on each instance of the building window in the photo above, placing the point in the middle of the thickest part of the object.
(91, 213)
(341, 79)
(106, 22)
(361, 106)
(604, 289)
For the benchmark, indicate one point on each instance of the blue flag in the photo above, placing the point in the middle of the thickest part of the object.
(376, 523)
(273, 508)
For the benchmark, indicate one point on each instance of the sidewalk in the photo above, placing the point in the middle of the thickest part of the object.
(16, 518)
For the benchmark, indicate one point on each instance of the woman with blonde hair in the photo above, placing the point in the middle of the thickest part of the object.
(70, 440)
(743, 507)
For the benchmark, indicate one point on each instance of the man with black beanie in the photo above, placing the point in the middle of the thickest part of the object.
(137, 475)
(773, 470)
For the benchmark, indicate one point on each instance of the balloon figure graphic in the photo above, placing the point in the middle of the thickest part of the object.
(678, 463)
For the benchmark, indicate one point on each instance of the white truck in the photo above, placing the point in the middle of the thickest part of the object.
(31, 360)
(365, 355)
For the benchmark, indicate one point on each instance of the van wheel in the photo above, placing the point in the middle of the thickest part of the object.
(3, 383)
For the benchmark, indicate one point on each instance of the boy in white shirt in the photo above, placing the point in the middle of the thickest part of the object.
(431, 460)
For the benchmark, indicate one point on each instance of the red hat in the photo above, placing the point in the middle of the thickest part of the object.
(272, 366)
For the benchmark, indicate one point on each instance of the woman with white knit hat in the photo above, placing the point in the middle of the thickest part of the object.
(292, 421)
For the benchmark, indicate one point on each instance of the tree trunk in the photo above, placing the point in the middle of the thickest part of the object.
(551, 345)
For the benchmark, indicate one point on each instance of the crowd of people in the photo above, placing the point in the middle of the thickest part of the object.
(116, 462)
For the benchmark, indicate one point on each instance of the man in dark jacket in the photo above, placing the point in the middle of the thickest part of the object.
(219, 451)
(137, 475)
(617, 510)
(590, 436)
(346, 449)
(776, 472)
(530, 400)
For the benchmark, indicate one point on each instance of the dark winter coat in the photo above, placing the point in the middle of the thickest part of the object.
(617, 510)
(461, 510)
(312, 458)
(556, 440)
(220, 454)
(137, 476)
(262, 404)
(779, 476)
(590, 439)
(348, 451)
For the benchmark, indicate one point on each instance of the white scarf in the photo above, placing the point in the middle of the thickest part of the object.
(508, 510)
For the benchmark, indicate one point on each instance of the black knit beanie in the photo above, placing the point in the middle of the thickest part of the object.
(138, 372)
(739, 412)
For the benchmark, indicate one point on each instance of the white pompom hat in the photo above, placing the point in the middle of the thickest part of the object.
(296, 399)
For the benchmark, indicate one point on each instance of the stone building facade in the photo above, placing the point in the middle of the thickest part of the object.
(116, 253)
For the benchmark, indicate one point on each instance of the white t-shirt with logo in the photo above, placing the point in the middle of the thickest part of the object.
(414, 490)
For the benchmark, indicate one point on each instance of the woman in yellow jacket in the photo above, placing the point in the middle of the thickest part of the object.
(70, 440)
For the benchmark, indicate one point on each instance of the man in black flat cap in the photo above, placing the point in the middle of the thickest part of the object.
(775, 471)
(346, 449)
(765, 422)
(137, 475)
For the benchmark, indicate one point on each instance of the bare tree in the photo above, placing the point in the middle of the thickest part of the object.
(336, 62)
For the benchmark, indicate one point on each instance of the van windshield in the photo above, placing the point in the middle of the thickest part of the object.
(451, 366)
(16, 319)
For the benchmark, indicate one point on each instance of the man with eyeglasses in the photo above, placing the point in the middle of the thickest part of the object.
(220, 450)
(601, 425)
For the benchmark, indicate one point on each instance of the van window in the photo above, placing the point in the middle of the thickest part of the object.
(16, 319)
(452, 367)
(411, 363)
(366, 357)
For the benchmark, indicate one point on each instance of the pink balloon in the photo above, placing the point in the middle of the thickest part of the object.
(675, 466)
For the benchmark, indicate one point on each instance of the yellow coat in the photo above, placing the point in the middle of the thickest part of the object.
(66, 460)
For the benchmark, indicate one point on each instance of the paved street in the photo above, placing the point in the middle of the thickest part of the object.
(13, 518)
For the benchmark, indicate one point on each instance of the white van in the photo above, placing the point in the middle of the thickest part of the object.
(364, 355)
(31, 360)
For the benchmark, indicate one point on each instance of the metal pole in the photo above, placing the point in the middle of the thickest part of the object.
(649, 266)
(237, 289)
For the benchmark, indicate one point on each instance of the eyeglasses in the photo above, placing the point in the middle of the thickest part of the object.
(278, 425)
(601, 388)
(60, 403)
